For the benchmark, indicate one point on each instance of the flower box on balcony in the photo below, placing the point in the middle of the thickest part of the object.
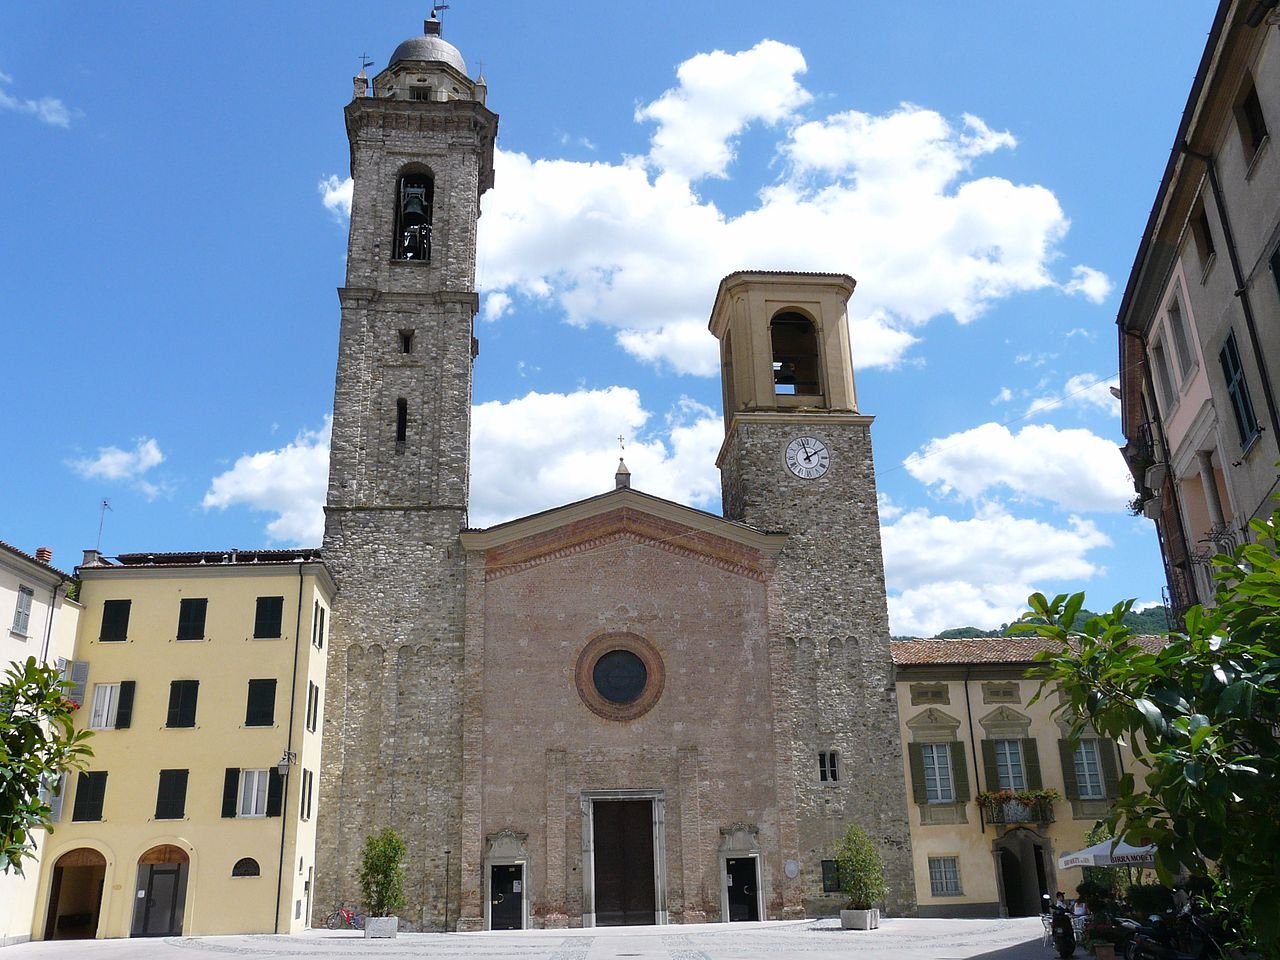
(1027, 806)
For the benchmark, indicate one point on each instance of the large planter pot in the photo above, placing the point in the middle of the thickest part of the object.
(860, 919)
(1104, 951)
(385, 927)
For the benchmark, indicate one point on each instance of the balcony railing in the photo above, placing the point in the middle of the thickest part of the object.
(1018, 810)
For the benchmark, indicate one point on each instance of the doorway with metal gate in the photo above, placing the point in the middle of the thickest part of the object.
(161, 893)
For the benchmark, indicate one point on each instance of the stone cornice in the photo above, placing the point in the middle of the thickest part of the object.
(814, 419)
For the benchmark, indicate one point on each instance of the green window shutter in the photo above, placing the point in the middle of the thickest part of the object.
(1108, 756)
(916, 758)
(124, 706)
(230, 787)
(1068, 755)
(275, 792)
(990, 772)
(959, 773)
(1031, 763)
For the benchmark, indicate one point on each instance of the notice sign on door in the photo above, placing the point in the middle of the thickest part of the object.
(515, 886)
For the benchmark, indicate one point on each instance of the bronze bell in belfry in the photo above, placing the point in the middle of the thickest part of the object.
(413, 206)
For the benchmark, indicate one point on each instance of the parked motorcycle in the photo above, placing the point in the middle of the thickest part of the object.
(1180, 937)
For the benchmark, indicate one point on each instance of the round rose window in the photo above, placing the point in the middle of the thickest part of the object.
(619, 676)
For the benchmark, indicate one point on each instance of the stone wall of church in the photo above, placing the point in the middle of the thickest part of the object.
(533, 749)
(829, 617)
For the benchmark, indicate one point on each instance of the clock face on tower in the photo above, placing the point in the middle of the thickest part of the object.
(807, 457)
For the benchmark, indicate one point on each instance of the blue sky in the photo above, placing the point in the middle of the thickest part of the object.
(173, 197)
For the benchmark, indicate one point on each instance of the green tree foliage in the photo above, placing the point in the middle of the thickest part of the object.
(382, 873)
(38, 742)
(861, 870)
(1202, 717)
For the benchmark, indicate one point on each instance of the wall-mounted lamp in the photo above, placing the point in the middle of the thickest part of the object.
(287, 759)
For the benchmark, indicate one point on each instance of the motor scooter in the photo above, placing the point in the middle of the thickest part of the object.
(1172, 938)
(1061, 931)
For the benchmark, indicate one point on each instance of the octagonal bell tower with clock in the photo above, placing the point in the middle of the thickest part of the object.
(422, 145)
(797, 458)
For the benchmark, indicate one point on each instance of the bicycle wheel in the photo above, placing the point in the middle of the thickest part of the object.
(334, 920)
(358, 921)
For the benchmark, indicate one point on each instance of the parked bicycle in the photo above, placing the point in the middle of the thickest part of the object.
(344, 918)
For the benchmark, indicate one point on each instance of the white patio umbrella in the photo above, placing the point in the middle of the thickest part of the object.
(1102, 855)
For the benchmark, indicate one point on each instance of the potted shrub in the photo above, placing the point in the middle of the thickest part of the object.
(382, 882)
(861, 874)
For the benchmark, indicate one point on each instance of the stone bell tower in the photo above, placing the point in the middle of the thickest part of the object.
(421, 156)
(797, 458)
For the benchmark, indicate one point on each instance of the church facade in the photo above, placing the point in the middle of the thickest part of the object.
(621, 710)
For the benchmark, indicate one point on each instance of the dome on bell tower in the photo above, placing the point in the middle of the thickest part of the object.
(429, 47)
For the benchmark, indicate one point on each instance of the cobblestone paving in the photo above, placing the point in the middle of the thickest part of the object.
(811, 939)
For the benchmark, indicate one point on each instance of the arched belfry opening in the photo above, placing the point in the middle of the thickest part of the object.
(795, 355)
(415, 197)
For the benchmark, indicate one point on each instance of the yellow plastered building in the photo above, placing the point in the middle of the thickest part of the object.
(996, 790)
(202, 677)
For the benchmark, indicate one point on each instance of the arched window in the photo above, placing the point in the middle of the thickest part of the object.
(795, 355)
(415, 195)
(246, 867)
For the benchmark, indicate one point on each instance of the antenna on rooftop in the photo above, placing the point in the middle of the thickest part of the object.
(102, 516)
(436, 10)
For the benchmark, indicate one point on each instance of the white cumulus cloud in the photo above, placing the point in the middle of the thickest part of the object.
(289, 482)
(1073, 468)
(48, 110)
(893, 198)
(1084, 391)
(945, 572)
(335, 194)
(1094, 285)
(129, 466)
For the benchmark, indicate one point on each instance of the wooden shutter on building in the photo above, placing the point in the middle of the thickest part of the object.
(124, 706)
(261, 708)
(191, 613)
(990, 770)
(182, 703)
(959, 772)
(1109, 758)
(1067, 753)
(1031, 763)
(268, 617)
(275, 792)
(91, 790)
(171, 797)
(230, 787)
(915, 757)
(115, 620)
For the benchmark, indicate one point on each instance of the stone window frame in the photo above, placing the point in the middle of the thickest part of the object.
(595, 648)
(934, 891)
(925, 694)
(1001, 691)
(1005, 723)
(829, 767)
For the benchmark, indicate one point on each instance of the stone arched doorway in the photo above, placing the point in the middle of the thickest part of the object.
(1021, 861)
(161, 892)
(75, 895)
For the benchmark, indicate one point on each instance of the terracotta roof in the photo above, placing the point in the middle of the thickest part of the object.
(26, 556)
(911, 653)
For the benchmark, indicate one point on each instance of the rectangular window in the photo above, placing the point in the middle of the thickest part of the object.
(937, 772)
(191, 619)
(75, 679)
(171, 798)
(313, 706)
(112, 706)
(1203, 237)
(182, 703)
(828, 766)
(1181, 345)
(1163, 378)
(830, 876)
(261, 708)
(402, 423)
(1238, 391)
(1089, 783)
(305, 804)
(115, 620)
(1252, 124)
(944, 876)
(253, 793)
(320, 644)
(1009, 768)
(267, 619)
(91, 789)
(22, 612)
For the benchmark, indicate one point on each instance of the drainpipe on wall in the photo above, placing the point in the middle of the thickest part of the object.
(973, 746)
(1242, 291)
